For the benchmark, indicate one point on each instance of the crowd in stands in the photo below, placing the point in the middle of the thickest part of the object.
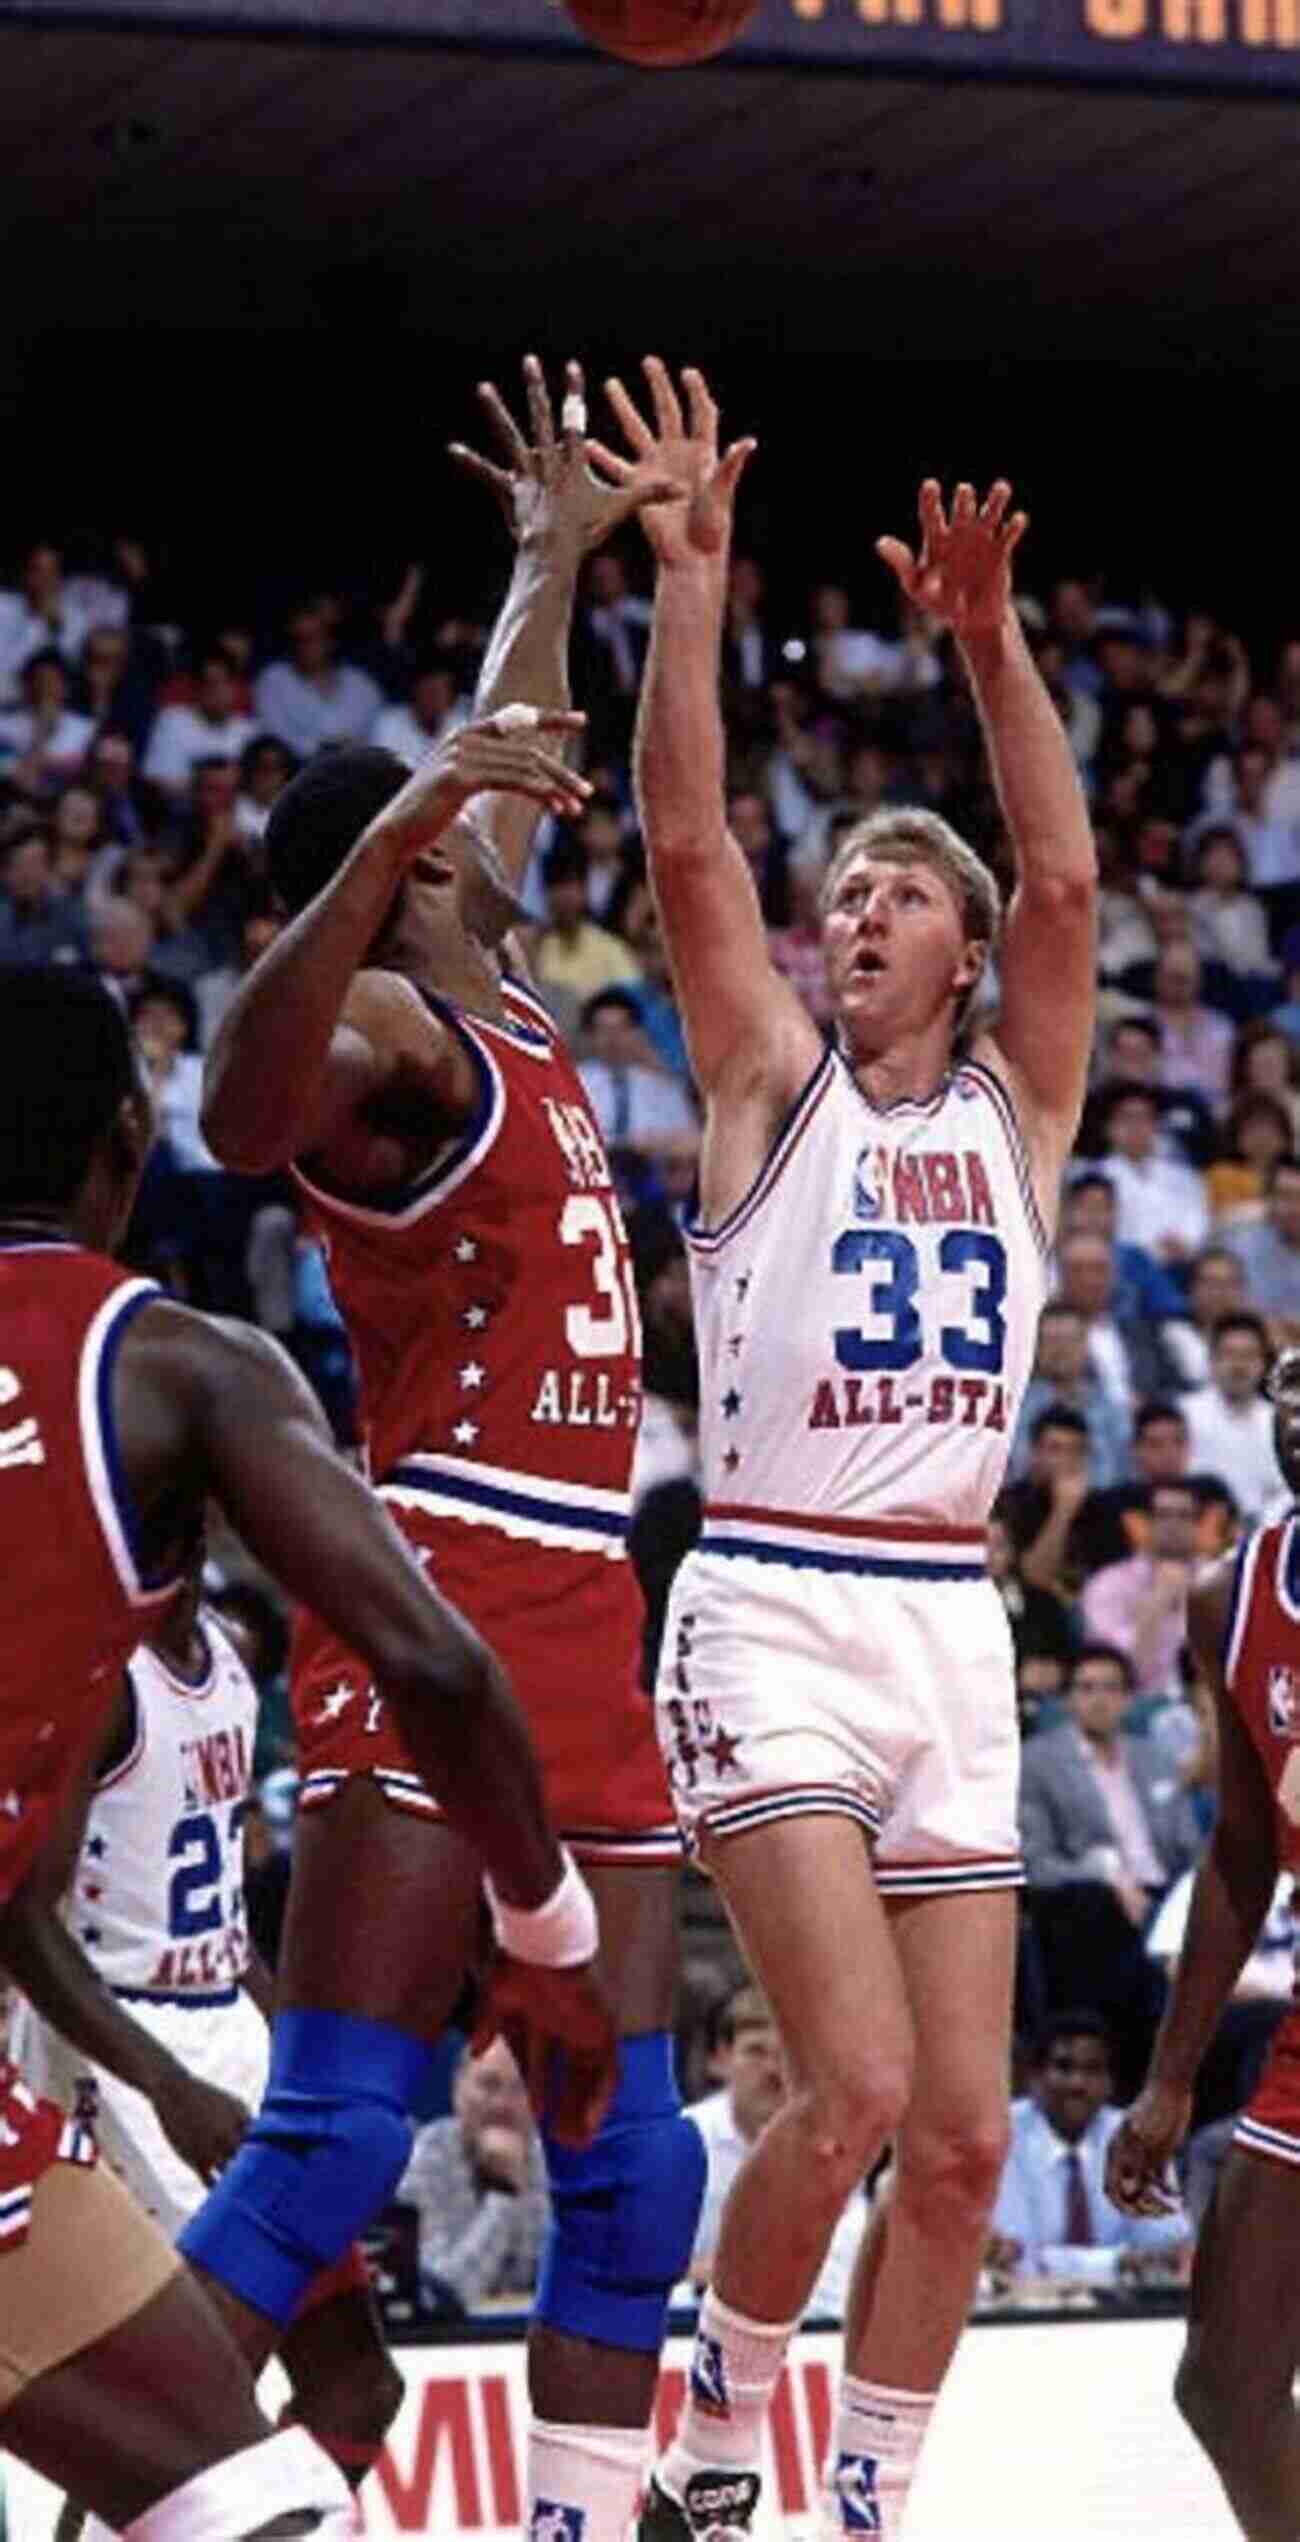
(138, 764)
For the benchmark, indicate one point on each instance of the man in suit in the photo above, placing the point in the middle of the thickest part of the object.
(1053, 2217)
(1106, 1825)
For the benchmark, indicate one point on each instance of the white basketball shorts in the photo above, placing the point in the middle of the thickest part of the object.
(788, 1691)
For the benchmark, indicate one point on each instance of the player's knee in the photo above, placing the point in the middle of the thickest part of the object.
(624, 2210)
(1221, 2405)
(309, 2176)
(846, 2117)
(951, 2173)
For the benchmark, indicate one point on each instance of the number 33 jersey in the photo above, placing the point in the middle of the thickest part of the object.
(493, 1314)
(866, 1322)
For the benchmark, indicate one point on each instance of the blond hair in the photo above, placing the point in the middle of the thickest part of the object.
(904, 836)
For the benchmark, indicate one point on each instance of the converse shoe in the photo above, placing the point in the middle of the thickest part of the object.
(718, 2507)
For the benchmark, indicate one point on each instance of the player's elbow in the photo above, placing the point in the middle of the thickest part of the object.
(237, 1139)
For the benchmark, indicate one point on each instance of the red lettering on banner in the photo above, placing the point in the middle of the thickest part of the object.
(444, 2412)
(670, 2393)
(501, 2450)
(785, 2447)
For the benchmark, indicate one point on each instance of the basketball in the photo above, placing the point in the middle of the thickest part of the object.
(661, 34)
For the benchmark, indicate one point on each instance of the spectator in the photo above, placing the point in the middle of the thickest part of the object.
(1113, 1524)
(1267, 834)
(750, 823)
(1105, 1828)
(1256, 1134)
(637, 1103)
(635, 917)
(1228, 925)
(1141, 1290)
(1216, 1286)
(217, 872)
(1140, 1605)
(1160, 1204)
(1064, 1373)
(184, 737)
(435, 709)
(478, 2186)
(310, 699)
(752, 2087)
(1264, 1062)
(1229, 1424)
(1124, 1346)
(797, 952)
(41, 616)
(164, 1019)
(43, 738)
(1053, 2217)
(1268, 1252)
(110, 774)
(264, 771)
(749, 656)
(215, 989)
(122, 940)
(1195, 1043)
(1264, 738)
(77, 837)
(115, 690)
(37, 922)
(1039, 1623)
(1041, 1508)
(572, 954)
(601, 833)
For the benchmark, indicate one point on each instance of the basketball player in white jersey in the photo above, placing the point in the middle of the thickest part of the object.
(835, 1698)
(130, 1941)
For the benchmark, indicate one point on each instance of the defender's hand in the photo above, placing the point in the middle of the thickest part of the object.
(546, 488)
(204, 2125)
(697, 522)
(560, 2032)
(962, 574)
(1142, 2149)
(505, 753)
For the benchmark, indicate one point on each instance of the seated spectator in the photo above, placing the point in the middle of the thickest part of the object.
(1256, 1134)
(1064, 1374)
(750, 824)
(1113, 1524)
(1106, 1828)
(667, 1446)
(803, 769)
(1264, 1062)
(1286, 1016)
(1039, 1623)
(77, 836)
(617, 623)
(1040, 1509)
(1053, 2217)
(1140, 1605)
(1141, 1291)
(143, 875)
(44, 740)
(264, 771)
(213, 727)
(1268, 1251)
(1216, 1286)
(1195, 1043)
(38, 923)
(115, 689)
(636, 918)
(477, 2182)
(749, 654)
(42, 615)
(435, 709)
(1229, 1422)
(217, 873)
(1228, 923)
(164, 1019)
(601, 834)
(1160, 1204)
(798, 954)
(310, 699)
(1125, 1346)
(1041, 1680)
(571, 953)
(637, 1103)
(122, 941)
(110, 774)
(1133, 1047)
(752, 2085)
(215, 989)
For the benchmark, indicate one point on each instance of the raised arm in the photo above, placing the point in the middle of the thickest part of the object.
(1047, 965)
(745, 1027)
(1230, 1900)
(557, 512)
(295, 1054)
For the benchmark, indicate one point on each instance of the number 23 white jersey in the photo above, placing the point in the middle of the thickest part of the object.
(866, 1318)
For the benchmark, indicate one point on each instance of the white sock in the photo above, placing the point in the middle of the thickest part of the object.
(583, 2480)
(283, 2475)
(875, 2448)
(735, 2367)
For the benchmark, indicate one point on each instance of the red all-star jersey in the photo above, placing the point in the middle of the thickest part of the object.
(74, 1599)
(491, 1306)
(492, 1311)
(1262, 1667)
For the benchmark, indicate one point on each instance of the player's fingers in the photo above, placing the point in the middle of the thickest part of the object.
(995, 503)
(930, 508)
(616, 466)
(732, 466)
(666, 403)
(701, 406)
(561, 719)
(540, 417)
(503, 424)
(1014, 532)
(633, 423)
(496, 479)
(573, 412)
(963, 505)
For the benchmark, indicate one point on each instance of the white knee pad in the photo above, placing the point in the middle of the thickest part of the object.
(285, 2475)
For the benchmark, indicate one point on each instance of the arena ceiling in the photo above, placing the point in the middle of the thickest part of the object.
(159, 181)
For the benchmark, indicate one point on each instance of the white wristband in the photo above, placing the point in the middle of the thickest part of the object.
(561, 1933)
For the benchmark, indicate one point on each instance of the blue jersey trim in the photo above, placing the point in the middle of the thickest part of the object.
(117, 1482)
(811, 1558)
(220, 1997)
(596, 1522)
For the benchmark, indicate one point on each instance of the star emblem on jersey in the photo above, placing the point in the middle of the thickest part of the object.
(472, 1374)
(334, 1704)
(95, 1848)
(465, 1249)
(724, 1751)
(731, 1460)
(556, 2524)
(1284, 1703)
(475, 1317)
(731, 1402)
(855, 2488)
(742, 1285)
(465, 1433)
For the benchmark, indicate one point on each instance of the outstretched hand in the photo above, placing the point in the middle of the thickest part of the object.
(546, 485)
(962, 572)
(684, 449)
(560, 2032)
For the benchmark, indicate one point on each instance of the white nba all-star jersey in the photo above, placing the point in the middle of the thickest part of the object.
(157, 1899)
(866, 1321)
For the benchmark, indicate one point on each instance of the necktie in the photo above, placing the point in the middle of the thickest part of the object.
(1078, 2213)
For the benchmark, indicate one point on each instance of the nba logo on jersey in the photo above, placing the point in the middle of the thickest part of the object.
(1284, 1703)
(870, 1182)
(556, 2524)
(708, 2377)
(855, 2488)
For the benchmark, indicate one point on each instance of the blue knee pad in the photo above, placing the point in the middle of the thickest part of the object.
(326, 2149)
(625, 2209)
